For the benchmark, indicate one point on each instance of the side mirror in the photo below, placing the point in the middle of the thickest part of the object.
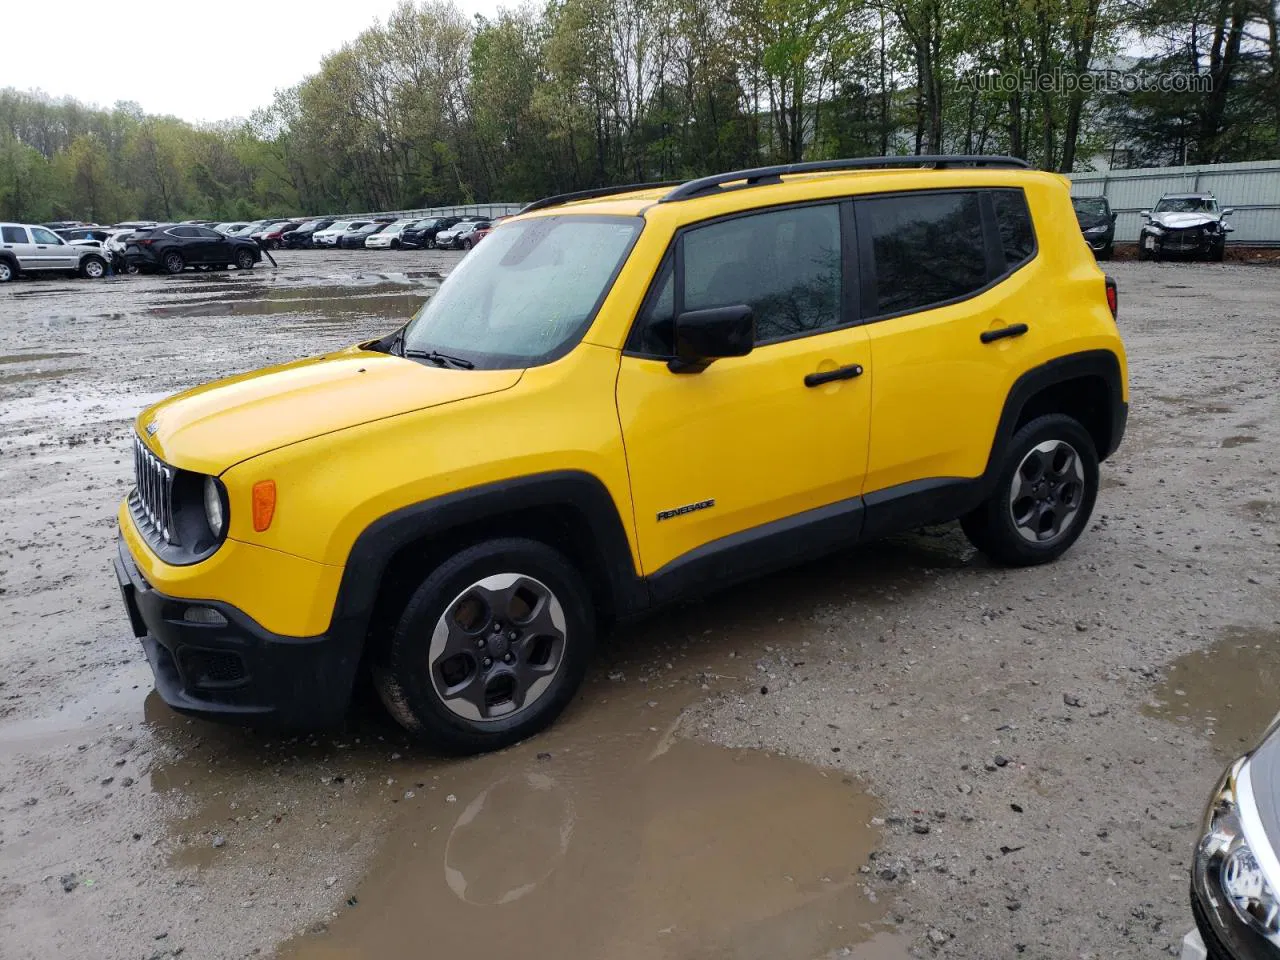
(1113, 217)
(1145, 214)
(1228, 211)
(705, 335)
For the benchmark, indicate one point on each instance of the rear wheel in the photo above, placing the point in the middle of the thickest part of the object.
(489, 650)
(173, 263)
(244, 259)
(7, 271)
(1043, 496)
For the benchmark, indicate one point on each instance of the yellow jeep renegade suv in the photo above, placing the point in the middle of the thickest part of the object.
(622, 398)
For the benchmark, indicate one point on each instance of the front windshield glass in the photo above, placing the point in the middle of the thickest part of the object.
(527, 293)
(1092, 206)
(339, 226)
(1187, 205)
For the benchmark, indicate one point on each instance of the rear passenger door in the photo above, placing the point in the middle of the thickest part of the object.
(16, 241)
(939, 269)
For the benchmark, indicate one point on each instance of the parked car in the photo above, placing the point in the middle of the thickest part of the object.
(511, 472)
(231, 227)
(1185, 223)
(134, 224)
(114, 250)
(271, 236)
(1097, 223)
(174, 248)
(300, 236)
(57, 225)
(388, 236)
(26, 248)
(460, 236)
(355, 237)
(1235, 872)
(328, 237)
(73, 234)
(423, 233)
(485, 230)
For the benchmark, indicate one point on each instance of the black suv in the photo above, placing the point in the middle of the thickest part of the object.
(423, 233)
(354, 238)
(300, 237)
(1097, 223)
(174, 247)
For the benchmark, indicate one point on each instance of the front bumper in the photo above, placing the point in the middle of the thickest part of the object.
(235, 670)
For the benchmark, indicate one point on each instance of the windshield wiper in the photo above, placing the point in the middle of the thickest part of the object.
(439, 359)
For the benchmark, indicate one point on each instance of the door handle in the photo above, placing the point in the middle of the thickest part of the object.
(828, 376)
(1013, 330)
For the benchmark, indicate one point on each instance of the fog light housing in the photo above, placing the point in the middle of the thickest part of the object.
(204, 615)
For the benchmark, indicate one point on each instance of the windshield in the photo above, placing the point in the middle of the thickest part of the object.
(1093, 206)
(339, 226)
(1187, 205)
(527, 294)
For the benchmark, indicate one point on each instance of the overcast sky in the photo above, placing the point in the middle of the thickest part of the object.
(192, 60)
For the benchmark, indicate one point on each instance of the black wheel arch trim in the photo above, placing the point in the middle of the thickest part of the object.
(576, 490)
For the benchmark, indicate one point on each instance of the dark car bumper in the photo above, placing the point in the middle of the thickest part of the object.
(236, 670)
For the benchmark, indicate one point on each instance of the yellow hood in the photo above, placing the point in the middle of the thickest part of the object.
(210, 428)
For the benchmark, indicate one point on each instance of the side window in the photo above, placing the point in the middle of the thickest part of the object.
(927, 248)
(654, 330)
(41, 235)
(13, 235)
(184, 232)
(1017, 236)
(206, 234)
(784, 264)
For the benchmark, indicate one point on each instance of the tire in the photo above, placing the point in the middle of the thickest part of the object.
(411, 679)
(274, 245)
(8, 271)
(467, 244)
(244, 259)
(132, 269)
(1026, 531)
(431, 243)
(173, 263)
(93, 268)
(1217, 253)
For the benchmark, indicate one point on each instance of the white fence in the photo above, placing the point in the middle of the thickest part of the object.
(1252, 189)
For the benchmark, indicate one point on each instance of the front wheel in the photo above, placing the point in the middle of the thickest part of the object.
(1217, 252)
(490, 649)
(244, 260)
(173, 263)
(467, 244)
(1043, 495)
(93, 268)
(431, 243)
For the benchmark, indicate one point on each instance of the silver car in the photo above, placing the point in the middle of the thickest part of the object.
(1235, 874)
(1184, 223)
(26, 248)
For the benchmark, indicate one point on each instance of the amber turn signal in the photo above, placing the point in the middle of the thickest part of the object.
(264, 504)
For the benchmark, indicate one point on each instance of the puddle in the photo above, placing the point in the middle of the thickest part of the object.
(30, 357)
(1229, 690)
(1237, 441)
(30, 376)
(618, 850)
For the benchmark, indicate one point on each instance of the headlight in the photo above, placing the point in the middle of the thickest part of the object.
(1096, 231)
(213, 511)
(1227, 873)
(1156, 229)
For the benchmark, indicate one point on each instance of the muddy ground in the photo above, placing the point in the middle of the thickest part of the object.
(900, 751)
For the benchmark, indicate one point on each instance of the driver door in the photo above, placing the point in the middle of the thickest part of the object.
(760, 456)
(51, 252)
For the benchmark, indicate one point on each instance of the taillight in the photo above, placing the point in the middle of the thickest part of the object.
(1113, 298)
(144, 243)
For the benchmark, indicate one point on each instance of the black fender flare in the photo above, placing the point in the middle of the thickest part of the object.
(577, 490)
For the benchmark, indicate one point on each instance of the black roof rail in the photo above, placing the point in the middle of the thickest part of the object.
(760, 175)
(595, 193)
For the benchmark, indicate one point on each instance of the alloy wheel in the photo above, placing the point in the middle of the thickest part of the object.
(1047, 491)
(94, 270)
(6, 272)
(497, 647)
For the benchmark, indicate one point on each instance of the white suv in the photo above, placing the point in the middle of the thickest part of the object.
(26, 248)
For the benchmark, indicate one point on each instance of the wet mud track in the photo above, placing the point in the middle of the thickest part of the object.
(898, 751)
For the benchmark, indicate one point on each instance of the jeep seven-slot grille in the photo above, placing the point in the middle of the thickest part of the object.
(154, 495)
